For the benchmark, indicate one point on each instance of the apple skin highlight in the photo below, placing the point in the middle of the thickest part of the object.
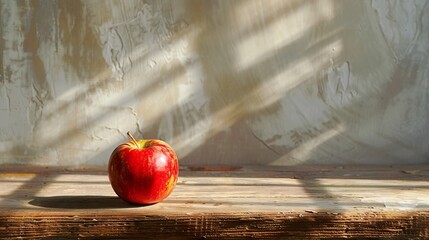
(143, 171)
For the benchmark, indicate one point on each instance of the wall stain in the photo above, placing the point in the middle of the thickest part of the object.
(406, 69)
(2, 76)
(31, 45)
(82, 47)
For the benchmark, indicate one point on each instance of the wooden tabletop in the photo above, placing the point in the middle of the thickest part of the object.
(296, 202)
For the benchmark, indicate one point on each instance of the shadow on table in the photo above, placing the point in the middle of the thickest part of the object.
(81, 202)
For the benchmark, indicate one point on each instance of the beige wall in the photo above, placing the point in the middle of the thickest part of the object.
(224, 82)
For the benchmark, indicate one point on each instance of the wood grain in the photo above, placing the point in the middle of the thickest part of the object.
(300, 202)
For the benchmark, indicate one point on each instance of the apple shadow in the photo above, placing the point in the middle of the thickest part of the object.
(82, 202)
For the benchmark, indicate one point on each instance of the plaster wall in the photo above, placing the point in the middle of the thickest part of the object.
(224, 82)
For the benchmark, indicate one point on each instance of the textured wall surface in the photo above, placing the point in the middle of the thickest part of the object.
(224, 82)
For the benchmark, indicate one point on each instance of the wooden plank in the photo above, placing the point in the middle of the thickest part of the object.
(386, 225)
(299, 202)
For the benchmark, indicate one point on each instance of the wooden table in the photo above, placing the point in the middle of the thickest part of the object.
(299, 202)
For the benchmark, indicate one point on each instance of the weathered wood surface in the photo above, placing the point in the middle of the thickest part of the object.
(300, 202)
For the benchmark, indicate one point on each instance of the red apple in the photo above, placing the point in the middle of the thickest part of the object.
(143, 171)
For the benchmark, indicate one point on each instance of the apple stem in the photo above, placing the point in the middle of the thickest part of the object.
(132, 138)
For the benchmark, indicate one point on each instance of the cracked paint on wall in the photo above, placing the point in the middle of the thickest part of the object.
(224, 82)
